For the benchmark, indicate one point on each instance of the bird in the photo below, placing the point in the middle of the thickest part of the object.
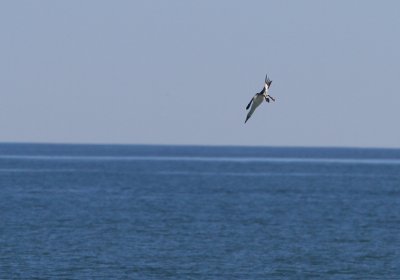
(259, 98)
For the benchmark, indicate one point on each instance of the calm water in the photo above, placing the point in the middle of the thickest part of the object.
(170, 212)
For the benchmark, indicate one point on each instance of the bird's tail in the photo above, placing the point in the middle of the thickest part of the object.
(248, 116)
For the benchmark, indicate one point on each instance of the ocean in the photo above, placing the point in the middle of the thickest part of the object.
(192, 212)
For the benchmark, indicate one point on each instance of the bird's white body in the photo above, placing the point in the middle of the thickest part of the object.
(257, 100)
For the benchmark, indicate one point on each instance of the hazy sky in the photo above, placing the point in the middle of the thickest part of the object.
(182, 72)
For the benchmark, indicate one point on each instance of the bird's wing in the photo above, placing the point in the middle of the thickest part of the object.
(248, 105)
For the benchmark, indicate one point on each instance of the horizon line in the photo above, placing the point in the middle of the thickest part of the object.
(195, 145)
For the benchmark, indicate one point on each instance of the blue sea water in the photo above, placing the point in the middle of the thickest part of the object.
(182, 212)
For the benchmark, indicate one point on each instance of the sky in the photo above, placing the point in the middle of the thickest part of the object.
(182, 72)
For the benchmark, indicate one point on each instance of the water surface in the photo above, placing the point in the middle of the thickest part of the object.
(182, 212)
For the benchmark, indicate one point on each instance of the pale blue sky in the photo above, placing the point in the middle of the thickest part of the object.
(182, 72)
